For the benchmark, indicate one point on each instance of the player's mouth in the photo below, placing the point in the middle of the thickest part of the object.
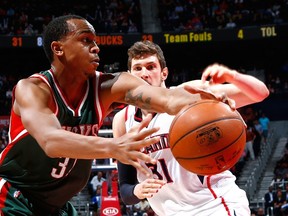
(96, 61)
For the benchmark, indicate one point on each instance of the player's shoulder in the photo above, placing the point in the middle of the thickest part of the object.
(120, 113)
(119, 116)
(30, 83)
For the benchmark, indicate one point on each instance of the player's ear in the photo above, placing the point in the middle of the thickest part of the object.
(56, 47)
(164, 73)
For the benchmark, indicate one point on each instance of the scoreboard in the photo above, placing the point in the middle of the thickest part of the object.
(163, 38)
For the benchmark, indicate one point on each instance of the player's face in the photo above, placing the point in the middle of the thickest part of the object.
(80, 48)
(148, 68)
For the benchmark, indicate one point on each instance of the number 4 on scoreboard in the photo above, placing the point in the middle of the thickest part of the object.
(240, 34)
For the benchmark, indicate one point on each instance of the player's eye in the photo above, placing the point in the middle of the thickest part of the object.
(150, 67)
(87, 40)
(138, 68)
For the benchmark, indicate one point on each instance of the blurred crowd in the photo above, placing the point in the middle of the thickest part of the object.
(178, 15)
(276, 198)
(30, 17)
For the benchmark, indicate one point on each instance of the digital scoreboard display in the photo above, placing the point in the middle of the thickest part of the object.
(186, 37)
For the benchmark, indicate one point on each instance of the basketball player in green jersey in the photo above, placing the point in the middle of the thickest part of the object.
(56, 115)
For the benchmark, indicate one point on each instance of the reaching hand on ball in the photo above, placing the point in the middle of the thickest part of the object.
(207, 94)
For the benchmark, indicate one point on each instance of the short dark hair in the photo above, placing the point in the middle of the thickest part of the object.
(56, 30)
(141, 48)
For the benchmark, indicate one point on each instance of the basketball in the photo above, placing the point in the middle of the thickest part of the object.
(207, 137)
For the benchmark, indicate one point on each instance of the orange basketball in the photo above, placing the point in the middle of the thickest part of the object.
(207, 137)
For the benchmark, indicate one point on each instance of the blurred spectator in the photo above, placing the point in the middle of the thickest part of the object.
(264, 121)
(230, 23)
(279, 200)
(250, 136)
(260, 212)
(269, 200)
(96, 199)
(258, 137)
(142, 207)
(96, 180)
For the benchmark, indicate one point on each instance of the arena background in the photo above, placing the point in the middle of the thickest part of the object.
(260, 57)
(259, 50)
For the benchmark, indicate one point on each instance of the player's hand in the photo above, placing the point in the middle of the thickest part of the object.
(148, 188)
(206, 94)
(218, 74)
(128, 147)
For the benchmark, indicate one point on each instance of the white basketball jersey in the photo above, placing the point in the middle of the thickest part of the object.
(187, 194)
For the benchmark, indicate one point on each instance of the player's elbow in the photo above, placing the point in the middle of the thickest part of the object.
(264, 94)
(48, 147)
(49, 150)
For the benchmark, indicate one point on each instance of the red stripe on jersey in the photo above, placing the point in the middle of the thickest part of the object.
(45, 79)
(215, 196)
(225, 206)
(3, 195)
(16, 125)
(126, 113)
(97, 87)
(9, 146)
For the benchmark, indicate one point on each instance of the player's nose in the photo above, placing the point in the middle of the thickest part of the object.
(144, 74)
(95, 48)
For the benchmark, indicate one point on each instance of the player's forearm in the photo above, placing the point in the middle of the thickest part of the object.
(127, 195)
(62, 143)
(173, 100)
(161, 100)
(127, 181)
(250, 86)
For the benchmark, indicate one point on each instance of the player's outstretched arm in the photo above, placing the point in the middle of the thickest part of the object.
(242, 88)
(36, 111)
(245, 89)
(132, 90)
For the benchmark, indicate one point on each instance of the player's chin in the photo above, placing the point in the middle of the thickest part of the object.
(93, 66)
(90, 72)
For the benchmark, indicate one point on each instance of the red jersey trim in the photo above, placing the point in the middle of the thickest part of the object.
(44, 79)
(215, 196)
(98, 105)
(126, 113)
(65, 100)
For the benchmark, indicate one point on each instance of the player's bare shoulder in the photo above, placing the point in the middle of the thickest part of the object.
(32, 91)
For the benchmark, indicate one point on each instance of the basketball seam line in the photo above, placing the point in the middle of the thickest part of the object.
(213, 152)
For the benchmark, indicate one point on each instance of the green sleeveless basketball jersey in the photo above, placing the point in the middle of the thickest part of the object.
(50, 182)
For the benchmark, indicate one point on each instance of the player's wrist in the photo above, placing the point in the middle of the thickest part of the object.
(233, 76)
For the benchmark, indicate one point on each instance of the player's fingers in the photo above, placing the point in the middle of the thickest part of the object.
(143, 124)
(140, 168)
(206, 74)
(232, 103)
(141, 143)
(144, 157)
(225, 99)
(146, 133)
(145, 121)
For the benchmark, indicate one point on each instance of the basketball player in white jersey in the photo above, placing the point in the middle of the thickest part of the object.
(171, 190)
